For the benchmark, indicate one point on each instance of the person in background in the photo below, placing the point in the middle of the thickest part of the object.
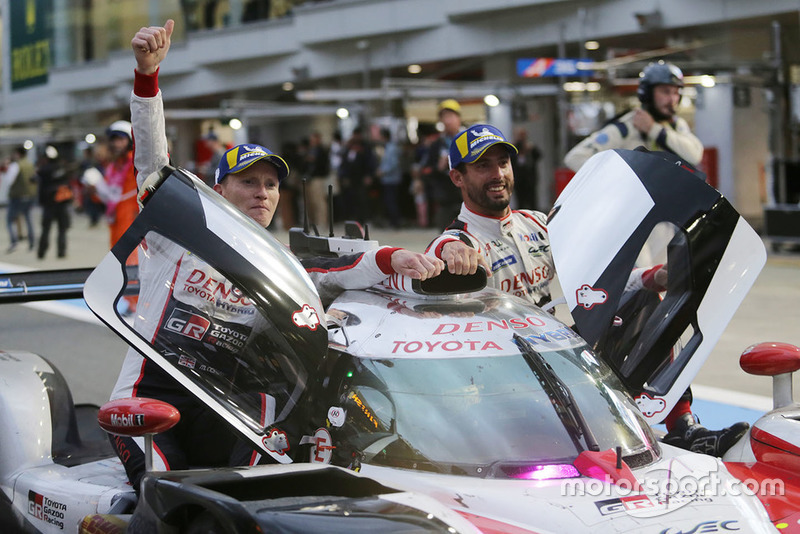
(655, 125)
(419, 185)
(317, 172)
(356, 174)
(90, 173)
(390, 174)
(335, 160)
(443, 199)
(215, 149)
(21, 196)
(120, 180)
(526, 170)
(517, 247)
(55, 198)
(291, 187)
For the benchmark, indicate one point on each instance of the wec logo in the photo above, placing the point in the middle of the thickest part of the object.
(705, 526)
(187, 324)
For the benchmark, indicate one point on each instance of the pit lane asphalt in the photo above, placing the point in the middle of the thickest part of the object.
(89, 355)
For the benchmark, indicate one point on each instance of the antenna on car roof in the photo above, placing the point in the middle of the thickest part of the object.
(330, 210)
(305, 207)
(305, 211)
(303, 243)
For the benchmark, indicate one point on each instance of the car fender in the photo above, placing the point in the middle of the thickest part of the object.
(23, 399)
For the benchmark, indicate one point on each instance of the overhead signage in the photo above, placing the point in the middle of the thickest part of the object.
(30, 42)
(545, 67)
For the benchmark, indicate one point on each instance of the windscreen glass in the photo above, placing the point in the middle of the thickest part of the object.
(210, 331)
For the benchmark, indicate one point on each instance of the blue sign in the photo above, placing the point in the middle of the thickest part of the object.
(542, 67)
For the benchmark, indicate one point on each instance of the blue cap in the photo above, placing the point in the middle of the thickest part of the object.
(240, 157)
(469, 145)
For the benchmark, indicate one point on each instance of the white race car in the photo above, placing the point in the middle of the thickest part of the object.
(440, 406)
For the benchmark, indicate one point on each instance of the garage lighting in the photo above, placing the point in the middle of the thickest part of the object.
(342, 113)
(491, 100)
(287, 86)
(414, 69)
(235, 123)
(90, 138)
(705, 80)
(577, 87)
(591, 45)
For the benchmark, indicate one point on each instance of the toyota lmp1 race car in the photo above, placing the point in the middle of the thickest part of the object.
(439, 406)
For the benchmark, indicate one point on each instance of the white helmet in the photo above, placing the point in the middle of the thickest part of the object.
(120, 128)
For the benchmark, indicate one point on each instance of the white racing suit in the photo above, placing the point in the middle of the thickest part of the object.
(516, 248)
(181, 294)
(668, 136)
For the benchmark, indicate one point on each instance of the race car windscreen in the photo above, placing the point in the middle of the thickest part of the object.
(492, 416)
(210, 331)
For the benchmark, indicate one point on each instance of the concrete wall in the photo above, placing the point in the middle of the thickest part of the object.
(750, 153)
(740, 135)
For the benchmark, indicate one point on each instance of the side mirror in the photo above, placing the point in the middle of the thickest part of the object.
(136, 417)
(778, 360)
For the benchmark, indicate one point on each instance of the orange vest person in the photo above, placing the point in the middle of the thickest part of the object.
(120, 187)
(121, 206)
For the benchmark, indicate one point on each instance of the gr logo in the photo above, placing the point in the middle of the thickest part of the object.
(187, 324)
(35, 505)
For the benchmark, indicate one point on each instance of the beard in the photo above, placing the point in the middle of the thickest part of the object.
(480, 197)
(658, 116)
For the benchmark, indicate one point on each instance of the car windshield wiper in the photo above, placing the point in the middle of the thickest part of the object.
(559, 394)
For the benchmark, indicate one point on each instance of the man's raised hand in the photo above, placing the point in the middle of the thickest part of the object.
(150, 46)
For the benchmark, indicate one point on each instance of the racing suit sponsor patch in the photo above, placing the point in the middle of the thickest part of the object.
(187, 324)
(504, 262)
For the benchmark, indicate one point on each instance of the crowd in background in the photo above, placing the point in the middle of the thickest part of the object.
(98, 182)
(375, 176)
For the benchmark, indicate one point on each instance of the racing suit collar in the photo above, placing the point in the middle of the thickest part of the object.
(503, 218)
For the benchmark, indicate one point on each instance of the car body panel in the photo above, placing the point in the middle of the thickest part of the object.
(598, 243)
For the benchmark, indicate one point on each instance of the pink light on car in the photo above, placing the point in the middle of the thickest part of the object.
(547, 472)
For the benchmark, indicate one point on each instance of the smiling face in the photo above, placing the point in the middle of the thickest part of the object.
(254, 191)
(486, 185)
